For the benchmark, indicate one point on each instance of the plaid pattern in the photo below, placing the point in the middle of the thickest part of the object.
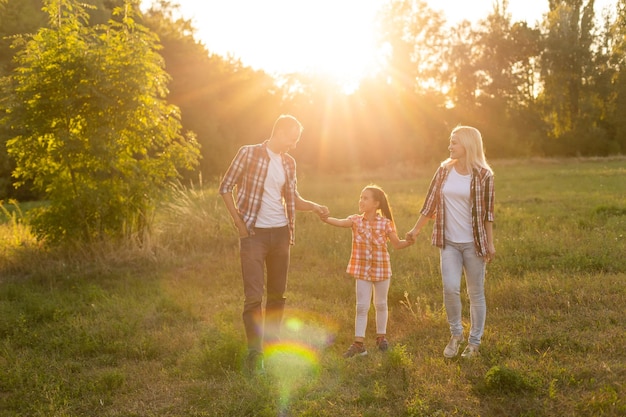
(247, 173)
(369, 260)
(482, 195)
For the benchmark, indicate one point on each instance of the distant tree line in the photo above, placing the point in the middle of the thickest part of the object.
(554, 89)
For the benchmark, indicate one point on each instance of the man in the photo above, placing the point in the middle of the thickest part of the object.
(264, 210)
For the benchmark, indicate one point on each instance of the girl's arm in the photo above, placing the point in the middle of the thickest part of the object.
(398, 243)
(338, 222)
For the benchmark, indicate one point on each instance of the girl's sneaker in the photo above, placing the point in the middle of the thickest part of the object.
(355, 349)
(382, 344)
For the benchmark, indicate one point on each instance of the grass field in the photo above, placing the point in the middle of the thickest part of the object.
(157, 331)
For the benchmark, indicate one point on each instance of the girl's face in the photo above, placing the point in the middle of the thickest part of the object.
(367, 204)
(457, 151)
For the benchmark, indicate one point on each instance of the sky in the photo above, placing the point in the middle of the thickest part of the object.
(333, 37)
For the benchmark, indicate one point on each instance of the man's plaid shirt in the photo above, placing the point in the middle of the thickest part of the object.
(247, 173)
(482, 196)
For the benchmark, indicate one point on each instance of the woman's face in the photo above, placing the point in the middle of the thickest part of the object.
(457, 151)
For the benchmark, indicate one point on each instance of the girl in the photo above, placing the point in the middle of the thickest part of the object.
(461, 200)
(370, 263)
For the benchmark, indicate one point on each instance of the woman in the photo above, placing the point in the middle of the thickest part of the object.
(461, 200)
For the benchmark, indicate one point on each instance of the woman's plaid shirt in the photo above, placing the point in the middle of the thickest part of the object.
(482, 195)
(370, 259)
(247, 173)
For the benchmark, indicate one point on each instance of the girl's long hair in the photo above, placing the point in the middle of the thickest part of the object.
(471, 139)
(383, 201)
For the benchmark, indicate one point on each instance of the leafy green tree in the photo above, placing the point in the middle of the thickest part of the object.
(404, 104)
(91, 128)
(566, 65)
(507, 83)
(18, 18)
(507, 58)
(414, 35)
(462, 70)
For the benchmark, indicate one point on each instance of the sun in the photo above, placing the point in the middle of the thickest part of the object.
(332, 38)
(341, 42)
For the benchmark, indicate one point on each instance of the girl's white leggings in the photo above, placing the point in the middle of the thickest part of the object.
(364, 290)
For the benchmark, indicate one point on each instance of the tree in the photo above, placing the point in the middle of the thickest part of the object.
(507, 83)
(90, 125)
(566, 64)
(616, 77)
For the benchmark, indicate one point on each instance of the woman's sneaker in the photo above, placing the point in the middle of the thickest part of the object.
(382, 344)
(470, 351)
(452, 348)
(355, 349)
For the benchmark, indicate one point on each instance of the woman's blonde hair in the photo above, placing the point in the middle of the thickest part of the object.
(472, 141)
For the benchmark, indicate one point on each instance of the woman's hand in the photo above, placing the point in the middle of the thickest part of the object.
(412, 235)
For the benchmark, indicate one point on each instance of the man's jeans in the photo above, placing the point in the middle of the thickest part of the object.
(457, 258)
(266, 249)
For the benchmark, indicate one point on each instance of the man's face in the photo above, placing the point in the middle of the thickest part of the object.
(289, 139)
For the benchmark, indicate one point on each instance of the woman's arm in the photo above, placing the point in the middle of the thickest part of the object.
(491, 248)
(421, 222)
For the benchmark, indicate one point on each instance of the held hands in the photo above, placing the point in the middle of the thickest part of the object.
(412, 235)
(321, 211)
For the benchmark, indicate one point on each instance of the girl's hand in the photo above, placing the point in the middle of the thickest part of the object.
(321, 211)
(412, 235)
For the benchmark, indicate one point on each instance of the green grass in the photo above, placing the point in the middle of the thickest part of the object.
(157, 331)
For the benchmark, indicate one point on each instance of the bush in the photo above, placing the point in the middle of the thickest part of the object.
(503, 379)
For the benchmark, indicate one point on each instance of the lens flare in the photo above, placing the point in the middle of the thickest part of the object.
(294, 361)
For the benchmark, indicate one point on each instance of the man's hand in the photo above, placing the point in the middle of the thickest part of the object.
(321, 211)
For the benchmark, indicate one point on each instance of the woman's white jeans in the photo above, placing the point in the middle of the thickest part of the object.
(364, 299)
(457, 258)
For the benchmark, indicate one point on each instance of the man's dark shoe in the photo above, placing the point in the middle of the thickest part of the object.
(254, 363)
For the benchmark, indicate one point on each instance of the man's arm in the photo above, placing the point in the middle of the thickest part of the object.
(229, 201)
(306, 205)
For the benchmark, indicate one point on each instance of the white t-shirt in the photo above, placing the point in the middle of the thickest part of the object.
(272, 212)
(458, 210)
